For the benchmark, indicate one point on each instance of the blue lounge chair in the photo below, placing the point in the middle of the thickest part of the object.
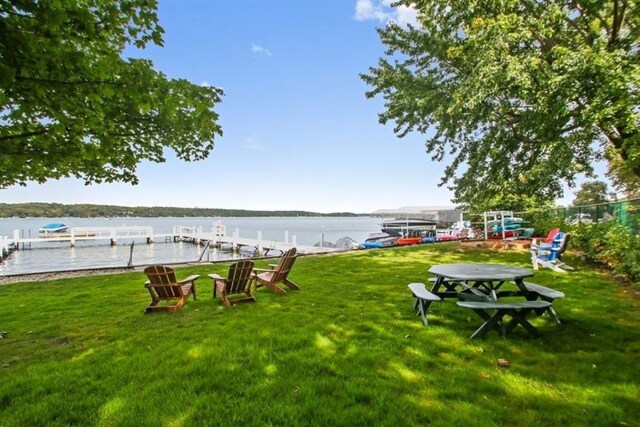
(550, 256)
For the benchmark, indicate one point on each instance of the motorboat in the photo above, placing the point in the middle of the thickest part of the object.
(401, 232)
(381, 240)
(54, 227)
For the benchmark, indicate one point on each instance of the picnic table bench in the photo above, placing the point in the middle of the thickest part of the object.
(423, 299)
(543, 293)
(518, 311)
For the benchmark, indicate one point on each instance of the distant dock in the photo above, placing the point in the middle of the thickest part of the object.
(77, 234)
(216, 237)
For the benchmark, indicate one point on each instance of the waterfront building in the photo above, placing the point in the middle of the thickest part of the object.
(435, 213)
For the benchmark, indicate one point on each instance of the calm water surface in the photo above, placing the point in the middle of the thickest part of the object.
(52, 256)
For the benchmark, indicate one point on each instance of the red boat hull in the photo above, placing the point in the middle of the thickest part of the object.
(409, 240)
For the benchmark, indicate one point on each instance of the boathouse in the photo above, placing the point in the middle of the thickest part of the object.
(435, 213)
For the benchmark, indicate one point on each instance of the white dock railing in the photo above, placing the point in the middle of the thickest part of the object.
(218, 236)
(88, 233)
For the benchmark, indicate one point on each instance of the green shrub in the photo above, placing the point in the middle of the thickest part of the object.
(544, 220)
(610, 244)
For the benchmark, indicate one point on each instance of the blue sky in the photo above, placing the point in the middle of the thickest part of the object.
(298, 130)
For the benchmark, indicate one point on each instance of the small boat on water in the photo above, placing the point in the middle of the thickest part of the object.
(54, 227)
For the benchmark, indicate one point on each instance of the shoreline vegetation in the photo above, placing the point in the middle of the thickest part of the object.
(56, 210)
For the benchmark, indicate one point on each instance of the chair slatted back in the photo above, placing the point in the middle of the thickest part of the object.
(556, 246)
(164, 281)
(284, 266)
(551, 235)
(564, 245)
(239, 276)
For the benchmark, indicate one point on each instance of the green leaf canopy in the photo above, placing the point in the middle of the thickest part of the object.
(525, 94)
(70, 105)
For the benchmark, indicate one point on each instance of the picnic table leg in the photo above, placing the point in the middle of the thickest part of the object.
(437, 284)
(486, 286)
(491, 322)
(554, 315)
(422, 306)
(519, 317)
(533, 296)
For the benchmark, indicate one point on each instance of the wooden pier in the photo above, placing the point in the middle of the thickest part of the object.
(76, 234)
(218, 237)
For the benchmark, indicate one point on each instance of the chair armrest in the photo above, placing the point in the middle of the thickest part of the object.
(261, 269)
(189, 279)
(215, 277)
(273, 266)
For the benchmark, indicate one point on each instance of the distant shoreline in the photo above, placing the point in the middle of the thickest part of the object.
(58, 210)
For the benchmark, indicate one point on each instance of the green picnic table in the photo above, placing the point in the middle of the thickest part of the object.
(479, 286)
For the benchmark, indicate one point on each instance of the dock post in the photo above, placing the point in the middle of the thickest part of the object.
(294, 240)
(113, 237)
(259, 245)
(200, 239)
(286, 236)
(16, 239)
(73, 238)
(234, 242)
(5, 247)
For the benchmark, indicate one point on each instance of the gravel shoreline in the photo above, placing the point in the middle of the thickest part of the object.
(54, 275)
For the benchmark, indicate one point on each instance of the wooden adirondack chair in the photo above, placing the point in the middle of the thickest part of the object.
(277, 273)
(163, 286)
(238, 281)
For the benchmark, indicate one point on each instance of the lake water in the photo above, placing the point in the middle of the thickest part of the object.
(51, 256)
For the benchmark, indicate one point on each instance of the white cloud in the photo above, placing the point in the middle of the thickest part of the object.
(381, 10)
(366, 10)
(253, 144)
(259, 50)
(406, 16)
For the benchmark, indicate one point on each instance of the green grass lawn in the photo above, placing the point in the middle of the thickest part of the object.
(347, 349)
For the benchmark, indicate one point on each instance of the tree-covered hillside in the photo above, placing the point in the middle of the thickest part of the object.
(90, 211)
